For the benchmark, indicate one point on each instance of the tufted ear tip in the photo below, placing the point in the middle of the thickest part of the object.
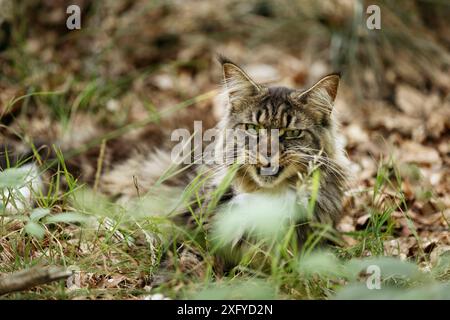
(336, 73)
(238, 84)
(321, 95)
(223, 60)
(330, 83)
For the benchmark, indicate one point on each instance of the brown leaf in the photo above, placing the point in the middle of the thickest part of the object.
(412, 152)
(410, 100)
(400, 247)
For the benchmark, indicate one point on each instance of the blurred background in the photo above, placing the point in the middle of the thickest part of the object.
(132, 59)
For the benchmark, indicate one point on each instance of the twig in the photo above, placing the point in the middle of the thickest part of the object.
(28, 278)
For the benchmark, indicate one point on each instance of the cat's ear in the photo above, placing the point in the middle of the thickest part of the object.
(237, 83)
(321, 95)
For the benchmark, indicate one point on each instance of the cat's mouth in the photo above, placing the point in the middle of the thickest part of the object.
(270, 171)
(268, 177)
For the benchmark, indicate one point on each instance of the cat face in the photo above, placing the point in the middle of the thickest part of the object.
(302, 121)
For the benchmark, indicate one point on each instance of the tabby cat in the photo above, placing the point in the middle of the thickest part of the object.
(307, 140)
(306, 143)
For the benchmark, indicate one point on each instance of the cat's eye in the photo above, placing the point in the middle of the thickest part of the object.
(252, 128)
(293, 134)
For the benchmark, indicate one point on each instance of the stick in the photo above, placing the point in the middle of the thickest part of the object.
(28, 278)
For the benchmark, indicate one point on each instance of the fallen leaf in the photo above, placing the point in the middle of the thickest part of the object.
(412, 152)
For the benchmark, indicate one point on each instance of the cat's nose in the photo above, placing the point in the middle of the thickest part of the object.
(268, 143)
(265, 159)
(268, 165)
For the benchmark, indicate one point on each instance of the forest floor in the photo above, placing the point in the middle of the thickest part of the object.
(78, 89)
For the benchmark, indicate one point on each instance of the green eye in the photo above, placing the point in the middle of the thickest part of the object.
(252, 128)
(292, 134)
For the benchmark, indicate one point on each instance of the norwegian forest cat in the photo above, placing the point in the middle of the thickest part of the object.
(306, 136)
(306, 139)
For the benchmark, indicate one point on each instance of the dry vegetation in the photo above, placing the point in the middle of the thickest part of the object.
(135, 60)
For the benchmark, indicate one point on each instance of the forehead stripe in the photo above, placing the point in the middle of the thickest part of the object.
(262, 116)
(280, 110)
(254, 117)
(269, 107)
(293, 120)
(283, 120)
